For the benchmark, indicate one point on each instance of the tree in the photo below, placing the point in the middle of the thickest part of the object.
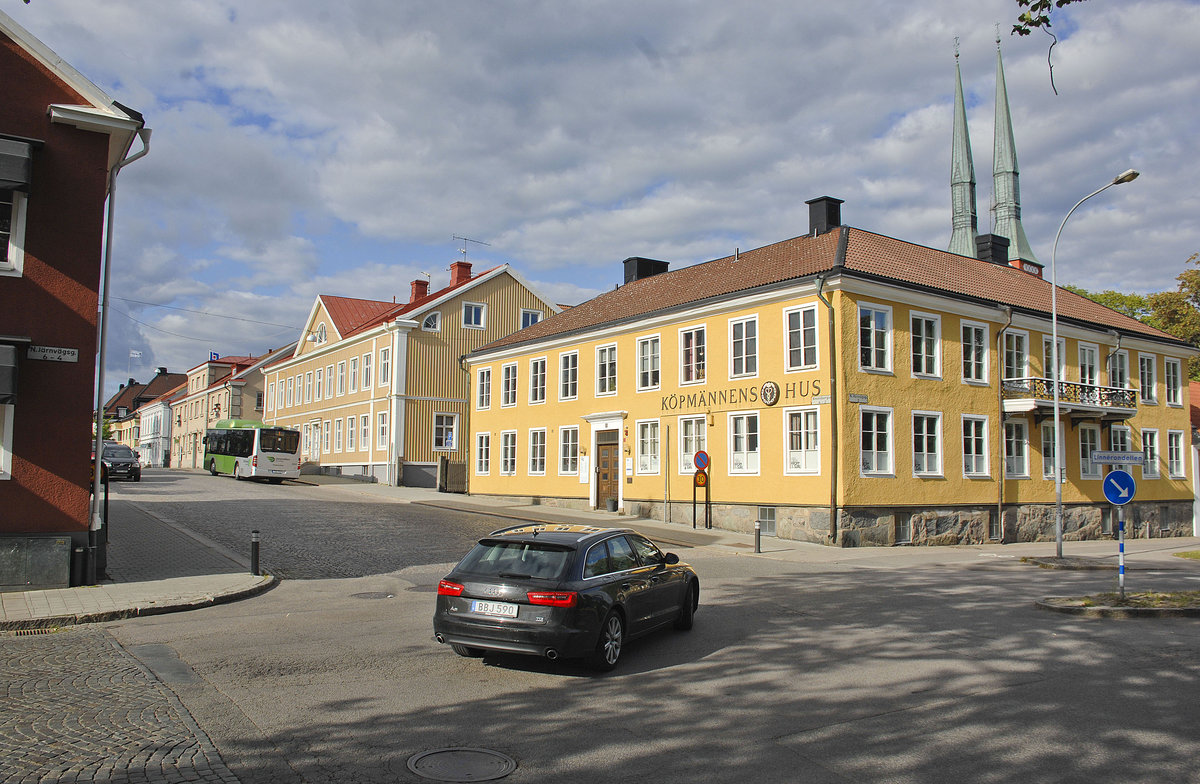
(1037, 15)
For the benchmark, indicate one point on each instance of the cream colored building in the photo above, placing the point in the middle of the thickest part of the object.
(378, 388)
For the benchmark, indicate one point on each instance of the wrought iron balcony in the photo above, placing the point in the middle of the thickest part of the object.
(1028, 394)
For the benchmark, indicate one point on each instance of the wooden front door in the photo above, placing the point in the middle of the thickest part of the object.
(608, 473)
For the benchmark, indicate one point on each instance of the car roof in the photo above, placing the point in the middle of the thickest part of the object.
(555, 533)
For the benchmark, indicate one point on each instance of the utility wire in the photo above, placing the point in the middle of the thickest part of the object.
(200, 312)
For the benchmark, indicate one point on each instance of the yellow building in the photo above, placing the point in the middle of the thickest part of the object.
(378, 389)
(847, 387)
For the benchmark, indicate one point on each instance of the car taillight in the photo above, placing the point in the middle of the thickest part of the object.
(553, 598)
(254, 461)
(447, 588)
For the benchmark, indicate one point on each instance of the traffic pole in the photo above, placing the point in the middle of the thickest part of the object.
(1121, 550)
(254, 570)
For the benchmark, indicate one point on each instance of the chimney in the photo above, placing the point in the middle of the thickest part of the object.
(420, 290)
(637, 268)
(824, 213)
(460, 272)
(162, 371)
(993, 248)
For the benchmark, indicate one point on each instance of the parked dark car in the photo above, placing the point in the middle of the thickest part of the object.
(563, 591)
(122, 462)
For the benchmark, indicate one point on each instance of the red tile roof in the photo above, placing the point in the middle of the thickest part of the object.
(847, 251)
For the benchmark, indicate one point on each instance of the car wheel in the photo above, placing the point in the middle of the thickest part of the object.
(687, 610)
(608, 645)
(137, 477)
(467, 651)
(212, 467)
(237, 472)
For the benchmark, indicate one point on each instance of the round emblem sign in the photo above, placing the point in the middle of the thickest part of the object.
(700, 460)
(701, 478)
(770, 393)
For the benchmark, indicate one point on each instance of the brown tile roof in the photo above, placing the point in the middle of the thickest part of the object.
(849, 251)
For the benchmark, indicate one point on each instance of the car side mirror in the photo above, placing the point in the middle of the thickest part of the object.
(671, 559)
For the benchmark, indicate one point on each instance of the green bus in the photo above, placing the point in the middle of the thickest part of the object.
(251, 450)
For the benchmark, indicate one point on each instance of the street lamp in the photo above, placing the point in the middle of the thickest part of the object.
(1129, 175)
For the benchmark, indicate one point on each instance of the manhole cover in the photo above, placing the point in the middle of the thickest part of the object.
(373, 595)
(461, 764)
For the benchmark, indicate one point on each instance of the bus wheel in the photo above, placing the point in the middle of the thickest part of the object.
(212, 467)
(237, 472)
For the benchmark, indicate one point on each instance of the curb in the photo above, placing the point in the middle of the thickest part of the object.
(1053, 604)
(59, 621)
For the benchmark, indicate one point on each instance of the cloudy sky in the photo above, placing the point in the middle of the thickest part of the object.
(306, 147)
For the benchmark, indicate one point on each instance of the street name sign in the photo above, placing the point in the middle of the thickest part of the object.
(1117, 458)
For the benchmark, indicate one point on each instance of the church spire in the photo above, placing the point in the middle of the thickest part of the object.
(964, 223)
(1006, 189)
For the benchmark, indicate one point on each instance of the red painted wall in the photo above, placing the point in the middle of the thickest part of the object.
(54, 304)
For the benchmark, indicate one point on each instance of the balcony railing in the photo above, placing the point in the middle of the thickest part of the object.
(1070, 393)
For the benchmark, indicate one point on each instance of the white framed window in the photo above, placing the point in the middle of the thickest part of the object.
(927, 443)
(483, 454)
(12, 232)
(508, 453)
(322, 334)
(1089, 364)
(337, 435)
(350, 429)
(325, 436)
(445, 432)
(568, 375)
(974, 439)
(353, 374)
(382, 437)
(1089, 441)
(1048, 358)
(1148, 378)
(366, 371)
(1173, 382)
(271, 395)
(341, 379)
(606, 370)
(801, 325)
(6, 447)
(692, 355)
(1118, 438)
(1175, 454)
(530, 317)
(648, 359)
(691, 440)
(279, 395)
(308, 386)
(365, 430)
(1048, 451)
(974, 352)
(537, 452)
(1150, 468)
(319, 384)
(508, 385)
(803, 441)
(743, 347)
(483, 389)
(926, 330)
(568, 450)
(743, 443)
(1016, 354)
(875, 338)
(385, 366)
(474, 315)
(291, 392)
(1118, 369)
(329, 382)
(1016, 449)
(647, 447)
(537, 380)
(432, 322)
(875, 441)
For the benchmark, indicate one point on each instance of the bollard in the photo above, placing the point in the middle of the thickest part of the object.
(254, 570)
(758, 536)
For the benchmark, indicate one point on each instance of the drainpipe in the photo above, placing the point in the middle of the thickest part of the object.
(94, 514)
(833, 412)
(1008, 312)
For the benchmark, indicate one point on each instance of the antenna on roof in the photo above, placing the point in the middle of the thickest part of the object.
(463, 251)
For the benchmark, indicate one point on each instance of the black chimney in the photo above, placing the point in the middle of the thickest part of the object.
(637, 268)
(993, 248)
(824, 213)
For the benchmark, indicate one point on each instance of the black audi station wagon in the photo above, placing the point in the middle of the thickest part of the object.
(562, 591)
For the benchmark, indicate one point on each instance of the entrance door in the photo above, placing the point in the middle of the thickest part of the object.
(608, 473)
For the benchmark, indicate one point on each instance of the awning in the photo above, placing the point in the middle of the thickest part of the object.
(16, 165)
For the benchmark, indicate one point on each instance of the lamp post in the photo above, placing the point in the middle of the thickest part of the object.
(1129, 175)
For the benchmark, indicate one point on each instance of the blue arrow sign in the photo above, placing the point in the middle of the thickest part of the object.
(1119, 488)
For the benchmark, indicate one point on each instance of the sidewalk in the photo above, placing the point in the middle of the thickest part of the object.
(155, 566)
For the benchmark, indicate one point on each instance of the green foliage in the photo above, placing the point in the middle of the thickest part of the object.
(1037, 14)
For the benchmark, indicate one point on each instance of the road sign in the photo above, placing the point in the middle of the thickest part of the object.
(1117, 458)
(700, 460)
(1119, 488)
(701, 479)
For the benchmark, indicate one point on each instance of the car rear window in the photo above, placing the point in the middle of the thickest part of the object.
(118, 451)
(516, 559)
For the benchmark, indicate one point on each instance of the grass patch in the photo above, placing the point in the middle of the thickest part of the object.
(1168, 599)
(1192, 554)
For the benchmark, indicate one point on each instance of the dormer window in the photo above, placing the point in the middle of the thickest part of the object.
(433, 322)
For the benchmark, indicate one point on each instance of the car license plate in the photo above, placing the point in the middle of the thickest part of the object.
(504, 609)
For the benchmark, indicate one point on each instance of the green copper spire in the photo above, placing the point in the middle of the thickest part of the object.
(964, 223)
(1006, 188)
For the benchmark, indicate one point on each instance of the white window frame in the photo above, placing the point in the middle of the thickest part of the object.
(1175, 454)
(508, 453)
(1089, 364)
(1118, 369)
(508, 385)
(483, 389)
(568, 375)
(381, 424)
(482, 311)
(308, 386)
(365, 431)
(697, 366)
(341, 378)
(1016, 432)
(537, 381)
(1047, 358)
(353, 374)
(804, 346)
(385, 366)
(1016, 345)
(440, 430)
(432, 322)
(319, 384)
(271, 396)
(649, 378)
(325, 437)
(1122, 444)
(6, 438)
(1089, 441)
(648, 462)
(1148, 393)
(279, 393)
(527, 315)
(291, 392)
(935, 321)
(13, 263)
(606, 370)
(351, 421)
(1150, 451)
(809, 453)
(367, 378)
(979, 428)
(337, 435)
(934, 468)
(875, 334)
(744, 461)
(568, 451)
(749, 347)
(875, 468)
(483, 454)
(1173, 382)
(1048, 445)
(984, 351)
(695, 441)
